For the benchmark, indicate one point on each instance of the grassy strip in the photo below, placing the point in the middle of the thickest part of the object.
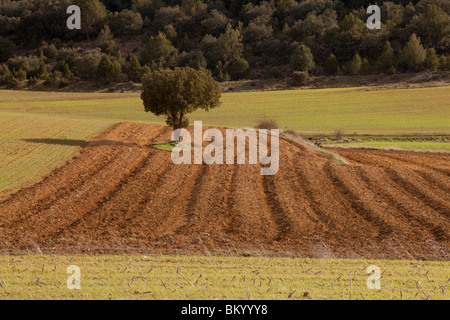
(310, 111)
(406, 145)
(199, 277)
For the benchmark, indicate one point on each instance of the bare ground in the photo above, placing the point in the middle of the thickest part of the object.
(120, 194)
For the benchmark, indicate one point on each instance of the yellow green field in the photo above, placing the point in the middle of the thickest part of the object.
(197, 277)
(360, 110)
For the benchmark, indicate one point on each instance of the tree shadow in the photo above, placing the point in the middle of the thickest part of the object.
(61, 142)
(83, 143)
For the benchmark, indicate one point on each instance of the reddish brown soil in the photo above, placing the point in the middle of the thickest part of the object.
(120, 194)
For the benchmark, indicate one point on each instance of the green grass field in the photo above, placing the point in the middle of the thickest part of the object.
(199, 277)
(31, 146)
(364, 111)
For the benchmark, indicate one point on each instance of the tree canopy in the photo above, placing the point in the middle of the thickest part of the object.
(178, 92)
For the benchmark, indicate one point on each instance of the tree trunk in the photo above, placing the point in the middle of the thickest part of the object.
(180, 120)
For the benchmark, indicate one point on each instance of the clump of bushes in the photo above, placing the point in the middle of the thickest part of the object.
(267, 124)
(299, 78)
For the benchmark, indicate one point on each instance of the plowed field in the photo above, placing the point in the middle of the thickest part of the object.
(120, 194)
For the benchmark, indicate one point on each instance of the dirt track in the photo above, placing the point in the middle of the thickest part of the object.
(122, 195)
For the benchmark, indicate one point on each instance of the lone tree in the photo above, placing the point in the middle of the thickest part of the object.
(175, 93)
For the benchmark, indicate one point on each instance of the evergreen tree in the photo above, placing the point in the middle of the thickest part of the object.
(21, 74)
(435, 25)
(105, 34)
(105, 69)
(355, 65)
(302, 59)
(51, 52)
(42, 71)
(106, 41)
(134, 71)
(331, 65)
(160, 51)
(366, 67)
(238, 68)
(413, 53)
(67, 74)
(185, 43)
(432, 60)
(444, 62)
(229, 45)
(387, 57)
(116, 71)
(93, 14)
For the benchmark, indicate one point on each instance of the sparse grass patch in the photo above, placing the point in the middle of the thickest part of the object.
(166, 146)
(338, 134)
(405, 145)
(199, 277)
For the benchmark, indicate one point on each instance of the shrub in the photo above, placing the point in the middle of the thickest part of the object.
(6, 49)
(366, 68)
(67, 74)
(214, 23)
(30, 64)
(331, 65)
(134, 70)
(12, 83)
(32, 81)
(43, 71)
(193, 59)
(21, 74)
(355, 65)
(63, 83)
(299, 78)
(48, 81)
(104, 69)
(238, 69)
(67, 55)
(160, 51)
(108, 46)
(126, 22)
(267, 124)
(444, 62)
(339, 134)
(432, 60)
(391, 71)
(86, 65)
(51, 52)
(116, 72)
(387, 58)
(302, 59)
(413, 53)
